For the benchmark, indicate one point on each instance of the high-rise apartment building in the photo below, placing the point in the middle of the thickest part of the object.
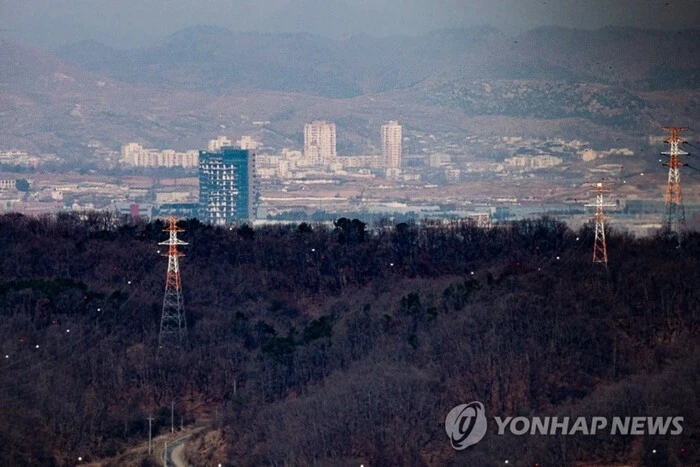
(319, 143)
(391, 145)
(226, 186)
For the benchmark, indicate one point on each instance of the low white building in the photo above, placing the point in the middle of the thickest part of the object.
(532, 162)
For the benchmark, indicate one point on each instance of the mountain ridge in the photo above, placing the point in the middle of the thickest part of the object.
(175, 96)
(364, 64)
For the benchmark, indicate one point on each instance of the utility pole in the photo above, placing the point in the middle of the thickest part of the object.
(172, 417)
(600, 248)
(173, 326)
(150, 448)
(675, 212)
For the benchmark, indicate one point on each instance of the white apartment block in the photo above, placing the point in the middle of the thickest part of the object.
(283, 167)
(247, 142)
(216, 144)
(268, 166)
(319, 143)
(393, 174)
(16, 157)
(129, 152)
(359, 162)
(170, 158)
(532, 162)
(8, 184)
(391, 144)
(137, 156)
(453, 175)
(438, 160)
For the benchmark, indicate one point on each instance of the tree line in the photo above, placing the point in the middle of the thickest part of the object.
(331, 344)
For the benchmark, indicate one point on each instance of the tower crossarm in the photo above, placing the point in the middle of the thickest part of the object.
(176, 242)
(678, 152)
(173, 241)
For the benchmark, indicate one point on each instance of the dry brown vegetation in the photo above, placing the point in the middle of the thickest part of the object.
(324, 345)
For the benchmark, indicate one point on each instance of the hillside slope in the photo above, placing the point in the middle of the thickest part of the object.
(343, 345)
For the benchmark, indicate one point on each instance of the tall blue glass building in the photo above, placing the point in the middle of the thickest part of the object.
(226, 186)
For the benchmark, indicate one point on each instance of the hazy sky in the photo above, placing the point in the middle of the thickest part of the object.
(128, 23)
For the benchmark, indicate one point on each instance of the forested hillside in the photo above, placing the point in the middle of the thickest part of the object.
(343, 344)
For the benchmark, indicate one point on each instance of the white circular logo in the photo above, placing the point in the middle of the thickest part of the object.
(466, 425)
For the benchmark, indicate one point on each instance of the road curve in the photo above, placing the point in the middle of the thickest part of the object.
(177, 455)
(174, 455)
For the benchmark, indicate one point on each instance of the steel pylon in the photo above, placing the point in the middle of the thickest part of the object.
(173, 325)
(674, 222)
(600, 248)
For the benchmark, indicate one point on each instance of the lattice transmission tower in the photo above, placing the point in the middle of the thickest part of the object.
(675, 212)
(600, 248)
(173, 326)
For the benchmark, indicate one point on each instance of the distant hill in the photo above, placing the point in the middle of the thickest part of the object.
(216, 60)
(204, 81)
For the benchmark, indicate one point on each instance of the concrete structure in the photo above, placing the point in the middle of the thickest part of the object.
(218, 143)
(438, 160)
(393, 174)
(137, 156)
(391, 144)
(8, 184)
(356, 162)
(227, 186)
(135, 210)
(16, 157)
(532, 162)
(247, 142)
(319, 143)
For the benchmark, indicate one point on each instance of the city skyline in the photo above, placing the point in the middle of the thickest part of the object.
(481, 115)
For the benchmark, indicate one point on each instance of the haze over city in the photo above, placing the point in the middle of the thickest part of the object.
(133, 23)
